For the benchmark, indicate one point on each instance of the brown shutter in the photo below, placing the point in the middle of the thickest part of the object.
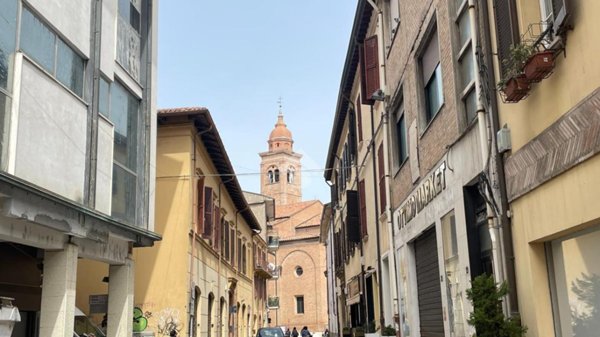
(200, 206)
(218, 224)
(232, 246)
(352, 216)
(560, 10)
(359, 118)
(507, 29)
(352, 135)
(370, 69)
(382, 198)
(363, 207)
(208, 213)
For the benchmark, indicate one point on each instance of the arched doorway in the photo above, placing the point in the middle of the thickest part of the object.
(195, 321)
(209, 324)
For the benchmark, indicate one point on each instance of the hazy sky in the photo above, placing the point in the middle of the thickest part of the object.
(238, 57)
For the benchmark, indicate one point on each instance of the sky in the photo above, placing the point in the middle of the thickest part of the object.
(238, 57)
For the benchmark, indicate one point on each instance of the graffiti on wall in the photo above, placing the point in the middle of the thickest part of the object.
(168, 321)
(140, 320)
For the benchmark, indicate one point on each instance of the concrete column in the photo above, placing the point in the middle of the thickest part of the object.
(120, 300)
(58, 292)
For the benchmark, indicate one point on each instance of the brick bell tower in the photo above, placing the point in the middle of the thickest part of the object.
(280, 166)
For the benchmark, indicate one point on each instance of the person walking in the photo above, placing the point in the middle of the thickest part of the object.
(305, 333)
(294, 332)
(287, 332)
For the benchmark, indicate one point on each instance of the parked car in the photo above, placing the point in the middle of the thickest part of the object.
(269, 332)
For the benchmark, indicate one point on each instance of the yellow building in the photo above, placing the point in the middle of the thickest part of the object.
(553, 170)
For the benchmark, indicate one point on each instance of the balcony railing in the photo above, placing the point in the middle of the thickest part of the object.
(261, 268)
(273, 302)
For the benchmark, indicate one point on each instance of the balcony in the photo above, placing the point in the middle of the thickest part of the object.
(261, 269)
(273, 302)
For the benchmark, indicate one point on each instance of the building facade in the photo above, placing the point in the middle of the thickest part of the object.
(357, 171)
(78, 124)
(298, 293)
(200, 280)
(552, 169)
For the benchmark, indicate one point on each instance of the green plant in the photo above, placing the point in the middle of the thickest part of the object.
(369, 327)
(388, 331)
(513, 65)
(487, 316)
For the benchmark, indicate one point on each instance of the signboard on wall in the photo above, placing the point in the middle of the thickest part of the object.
(99, 304)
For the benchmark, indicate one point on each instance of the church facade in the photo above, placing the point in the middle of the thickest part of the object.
(298, 293)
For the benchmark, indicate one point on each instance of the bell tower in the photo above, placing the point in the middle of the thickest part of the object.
(280, 166)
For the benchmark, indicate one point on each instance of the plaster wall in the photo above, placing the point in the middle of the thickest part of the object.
(57, 120)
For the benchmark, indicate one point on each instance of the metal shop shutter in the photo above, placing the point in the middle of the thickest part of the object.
(428, 285)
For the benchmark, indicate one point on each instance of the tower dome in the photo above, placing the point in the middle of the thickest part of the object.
(280, 138)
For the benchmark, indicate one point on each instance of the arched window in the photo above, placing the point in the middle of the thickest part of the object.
(276, 175)
(211, 299)
(196, 318)
(270, 177)
(290, 175)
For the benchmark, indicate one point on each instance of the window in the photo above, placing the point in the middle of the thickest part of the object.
(243, 266)
(359, 118)
(299, 271)
(8, 30)
(575, 283)
(226, 240)
(216, 240)
(432, 78)
(554, 14)
(200, 206)
(362, 208)
(129, 36)
(208, 213)
(124, 111)
(400, 134)
(369, 63)
(299, 304)
(270, 177)
(466, 62)
(453, 274)
(51, 53)
(276, 175)
(507, 29)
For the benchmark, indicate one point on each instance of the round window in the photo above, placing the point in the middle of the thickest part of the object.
(299, 271)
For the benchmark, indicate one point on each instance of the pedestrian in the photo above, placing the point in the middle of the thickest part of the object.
(294, 332)
(326, 333)
(304, 332)
(287, 332)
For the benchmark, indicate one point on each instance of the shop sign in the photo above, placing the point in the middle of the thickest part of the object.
(423, 195)
(353, 295)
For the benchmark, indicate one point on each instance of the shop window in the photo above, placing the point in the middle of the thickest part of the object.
(574, 274)
(453, 275)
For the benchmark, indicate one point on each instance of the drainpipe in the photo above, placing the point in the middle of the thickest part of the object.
(485, 143)
(499, 167)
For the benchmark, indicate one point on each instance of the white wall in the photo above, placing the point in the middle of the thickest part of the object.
(51, 135)
(104, 166)
(70, 17)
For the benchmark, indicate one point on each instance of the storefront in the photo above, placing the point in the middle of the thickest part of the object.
(442, 242)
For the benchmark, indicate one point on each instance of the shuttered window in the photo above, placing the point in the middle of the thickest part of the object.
(200, 206)
(363, 208)
(208, 213)
(232, 245)
(380, 164)
(352, 216)
(507, 30)
(217, 237)
(370, 69)
(359, 118)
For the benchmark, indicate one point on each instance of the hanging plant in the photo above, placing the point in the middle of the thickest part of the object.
(539, 66)
(514, 84)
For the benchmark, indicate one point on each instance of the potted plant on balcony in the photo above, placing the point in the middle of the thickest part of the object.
(539, 65)
(514, 85)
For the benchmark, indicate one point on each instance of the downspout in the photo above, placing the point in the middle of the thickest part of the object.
(485, 143)
(386, 184)
(499, 166)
